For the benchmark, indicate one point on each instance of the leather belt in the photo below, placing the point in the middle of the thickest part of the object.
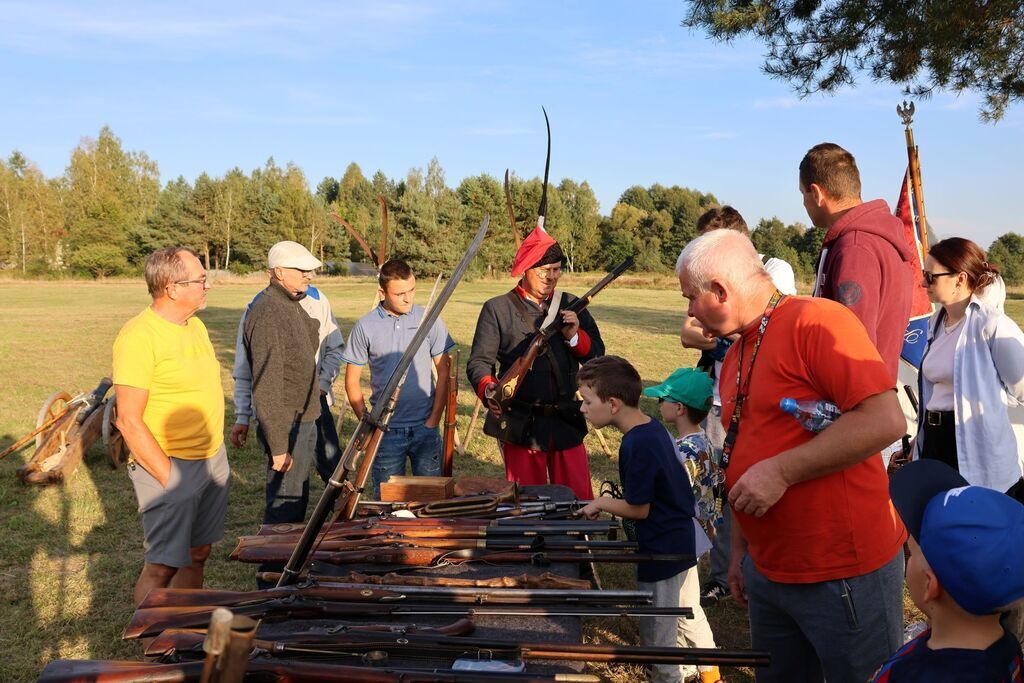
(937, 418)
(545, 409)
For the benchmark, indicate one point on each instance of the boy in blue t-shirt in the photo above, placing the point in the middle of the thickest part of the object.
(966, 565)
(658, 497)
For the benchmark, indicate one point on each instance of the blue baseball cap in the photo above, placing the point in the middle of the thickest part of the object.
(972, 537)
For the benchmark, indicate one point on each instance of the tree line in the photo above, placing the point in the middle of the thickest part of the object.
(108, 212)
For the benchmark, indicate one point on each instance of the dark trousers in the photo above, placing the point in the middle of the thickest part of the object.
(940, 444)
(287, 493)
(328, 449)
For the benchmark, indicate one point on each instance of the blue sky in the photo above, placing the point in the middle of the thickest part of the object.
(634, 98)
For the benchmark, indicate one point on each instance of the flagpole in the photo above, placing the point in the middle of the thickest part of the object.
(906, 112)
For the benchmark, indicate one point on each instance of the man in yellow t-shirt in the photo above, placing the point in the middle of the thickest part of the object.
(170, 410)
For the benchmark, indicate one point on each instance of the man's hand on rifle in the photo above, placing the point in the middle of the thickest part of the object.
(281, 463)
(239, 432)
(570, 324)
(491, 398)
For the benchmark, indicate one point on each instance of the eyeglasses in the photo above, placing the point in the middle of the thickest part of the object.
(304, 272)
(930, 278)
(548, 273)
(185, 283)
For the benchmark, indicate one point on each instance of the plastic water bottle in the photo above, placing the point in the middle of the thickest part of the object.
(813, 415)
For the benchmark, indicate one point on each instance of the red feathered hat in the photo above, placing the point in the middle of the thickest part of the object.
(538, 249)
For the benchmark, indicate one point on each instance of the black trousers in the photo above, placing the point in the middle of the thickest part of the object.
(940, 444)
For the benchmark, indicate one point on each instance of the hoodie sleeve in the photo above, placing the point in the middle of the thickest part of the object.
(854, 281)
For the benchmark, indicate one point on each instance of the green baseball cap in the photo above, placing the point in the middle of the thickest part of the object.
(688, 386)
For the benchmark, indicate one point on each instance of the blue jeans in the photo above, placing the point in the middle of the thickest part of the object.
(328, 450)
(840, 630)
(421, 444)
(287, 493)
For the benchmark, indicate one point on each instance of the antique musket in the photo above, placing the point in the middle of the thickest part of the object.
(151, 621)
(179, 645)
(323, 590)
(263, 670)
(535, 544)
(542, 581)
(434, 557)
(430, 527)
(368, 432)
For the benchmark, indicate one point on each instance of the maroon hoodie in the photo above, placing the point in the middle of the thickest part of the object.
(865, 264)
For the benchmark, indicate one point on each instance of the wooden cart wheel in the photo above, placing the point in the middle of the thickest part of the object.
(52, 407)
(112, 439)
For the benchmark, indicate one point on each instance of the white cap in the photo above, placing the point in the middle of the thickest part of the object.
(290, 254)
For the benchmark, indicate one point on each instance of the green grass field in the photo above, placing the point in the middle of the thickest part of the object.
(69, 555)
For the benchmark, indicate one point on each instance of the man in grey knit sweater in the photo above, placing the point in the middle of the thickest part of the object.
(281, 341)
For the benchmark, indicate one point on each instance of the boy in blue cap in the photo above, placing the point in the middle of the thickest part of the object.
(966, 565)
(658, 497)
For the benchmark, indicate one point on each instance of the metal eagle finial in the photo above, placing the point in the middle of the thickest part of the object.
(906, 112)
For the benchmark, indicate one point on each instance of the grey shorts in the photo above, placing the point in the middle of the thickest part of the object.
(188, 513)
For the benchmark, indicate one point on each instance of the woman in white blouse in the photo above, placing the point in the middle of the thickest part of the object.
(973, 363)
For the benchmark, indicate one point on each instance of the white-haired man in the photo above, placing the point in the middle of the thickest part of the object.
(282, 343)
(816, 550)
(328, 358)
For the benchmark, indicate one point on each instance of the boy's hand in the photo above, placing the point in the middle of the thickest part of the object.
(591, 510)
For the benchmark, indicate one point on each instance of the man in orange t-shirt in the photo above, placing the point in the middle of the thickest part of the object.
(816, 549)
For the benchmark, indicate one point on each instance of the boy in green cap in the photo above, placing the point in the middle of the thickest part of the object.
(684, 399)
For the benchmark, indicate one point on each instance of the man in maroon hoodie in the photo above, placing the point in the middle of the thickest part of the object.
(865, 260)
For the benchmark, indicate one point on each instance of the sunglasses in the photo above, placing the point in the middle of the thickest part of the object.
(930, 278)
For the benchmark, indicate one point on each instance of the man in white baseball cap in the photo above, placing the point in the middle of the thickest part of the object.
(288, 254)
(292, 349)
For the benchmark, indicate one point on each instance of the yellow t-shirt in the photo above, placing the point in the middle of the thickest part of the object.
(177, 365)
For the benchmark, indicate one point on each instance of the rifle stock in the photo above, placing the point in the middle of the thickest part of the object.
(511, 380)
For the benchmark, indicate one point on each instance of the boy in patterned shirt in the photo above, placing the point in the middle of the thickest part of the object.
(684, 399)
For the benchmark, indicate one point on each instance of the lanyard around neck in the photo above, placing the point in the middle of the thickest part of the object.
(743, 386)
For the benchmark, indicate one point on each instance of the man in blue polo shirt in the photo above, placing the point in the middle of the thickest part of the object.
(380, 338)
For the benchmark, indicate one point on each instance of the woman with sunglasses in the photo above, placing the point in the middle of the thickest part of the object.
(973, 365)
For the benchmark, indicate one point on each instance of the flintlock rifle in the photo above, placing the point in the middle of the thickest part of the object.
(186, 645)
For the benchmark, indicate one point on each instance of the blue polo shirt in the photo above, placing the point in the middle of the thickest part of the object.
(380, 338)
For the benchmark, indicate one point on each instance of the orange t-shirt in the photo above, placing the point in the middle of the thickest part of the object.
(835, 526)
